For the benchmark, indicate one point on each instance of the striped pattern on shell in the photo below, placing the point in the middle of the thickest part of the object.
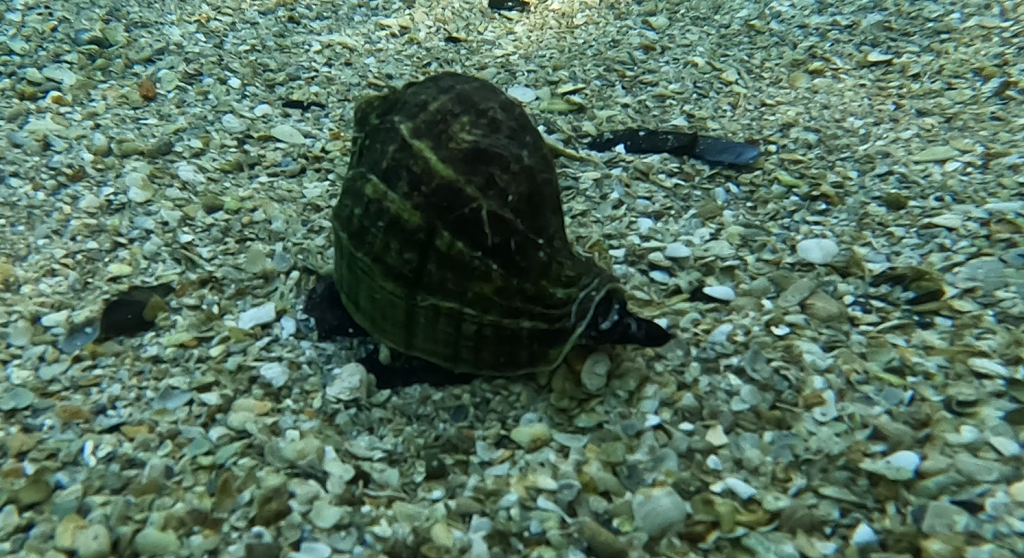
(449, 235)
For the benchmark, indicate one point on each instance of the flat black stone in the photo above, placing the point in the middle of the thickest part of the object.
(681, 144)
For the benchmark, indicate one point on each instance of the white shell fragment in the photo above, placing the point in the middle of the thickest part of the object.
(988, 367)
(276, 373)
(899, 466)
(191, 175)
(677, 250)
(257, 316)
(819, 251)
(720, 292)
(348, 383)
(522, 93)
(287, 134)
(741, 489)
(863, 535)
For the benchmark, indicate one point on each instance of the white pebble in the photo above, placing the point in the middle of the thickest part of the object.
(713, 462)
(262, 109)
(660, 276)
(287, 134)
(658, 510)
(324, 515)
(1005, 446)
(288, 326)
(153, 542)
(190, 174)
(313, 549)
(818, 251)
(55, 319)
(89, 202)
(716, 436)
(233, 124)
(234, 83)
(863, 535)
(988, 367)
(348, 383)
(93, 542)
(522, 94)
(899, 466)
(741, 489)
(140, 190)
(262, 314)
(677, 250)
(1004, 207)
(644, 224)
(720, 334)
(276, 373)
(720, 292)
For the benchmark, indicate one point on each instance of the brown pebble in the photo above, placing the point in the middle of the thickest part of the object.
(72, 413)
(602, 543)
(134, 431)
(147, 90)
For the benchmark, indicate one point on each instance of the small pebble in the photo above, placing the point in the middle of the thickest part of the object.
(348, 383)
(313, 549)
(716, 436)
(823, 308)
(720, 334)
(10, 519)
(720, 292)
(262, 109)
(594, 374)
(89, 202)
(863, 535)
(714, 463)
(233, 124)
(741, 489)
(797, 293)
(600, 542)
(677, 250)
(531, 436)
(324, 515)
(189, 174)
(658, 510)
(936, 154)
(899, 466)
(1005, 446)
(943, 517)
(119, 270)
(93, 542)
(20, 334)
(55, 319)
(660, 276)
(140, 190)
(16, 398)
(287, 134)
(275, 373)
(262, 314)
(818, 251)
(522, 94)
(988, 367)
(153, 542)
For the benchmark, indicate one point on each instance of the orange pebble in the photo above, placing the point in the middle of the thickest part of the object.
(147, 90)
